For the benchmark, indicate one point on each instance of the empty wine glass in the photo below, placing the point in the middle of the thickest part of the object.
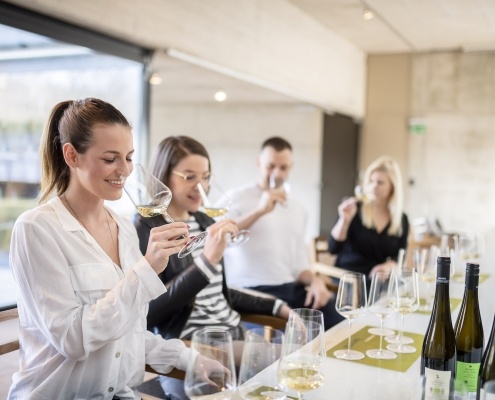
(379, 304)
(216, 204)
(262, 348)
(488, 391)
(277, 183)
(351, 303)
(203, 382)
(303, 354)
(151, 197)
(404, 299)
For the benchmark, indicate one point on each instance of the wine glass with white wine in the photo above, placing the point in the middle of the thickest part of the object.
(151, 197)
(303, 356)
(425, 263)
(216, 204)
(404, 299)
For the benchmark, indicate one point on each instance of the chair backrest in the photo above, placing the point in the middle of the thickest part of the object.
(11, 345)
(320, 252)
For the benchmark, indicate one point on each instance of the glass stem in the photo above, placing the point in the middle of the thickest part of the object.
(401, 330)
(349, 337)
(381, 334)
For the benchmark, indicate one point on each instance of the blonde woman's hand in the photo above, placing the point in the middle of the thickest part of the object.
(347, 209)
(164, 241)
(216, 240)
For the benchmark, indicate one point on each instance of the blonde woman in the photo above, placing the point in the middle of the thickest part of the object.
(368, 235)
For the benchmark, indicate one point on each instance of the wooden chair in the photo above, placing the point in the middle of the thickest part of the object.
(12, 345)
(324, 262)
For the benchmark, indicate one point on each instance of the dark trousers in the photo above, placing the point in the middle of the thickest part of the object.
(294, 294)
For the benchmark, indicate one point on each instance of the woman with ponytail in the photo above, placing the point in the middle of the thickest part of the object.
(83, 284)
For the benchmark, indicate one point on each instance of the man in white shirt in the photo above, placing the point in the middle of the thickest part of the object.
(275, 259)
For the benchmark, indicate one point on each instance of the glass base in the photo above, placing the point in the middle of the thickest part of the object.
(381, 332)
(273, 394)
(350, 355)
(396, 340)
(401, 348)
(381, 354)
(238, 239)
(192, 245)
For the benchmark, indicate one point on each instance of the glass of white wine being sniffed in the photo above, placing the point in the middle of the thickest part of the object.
(217, 207)
(151, 197)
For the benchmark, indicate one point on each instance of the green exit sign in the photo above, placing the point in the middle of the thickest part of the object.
(417, 126)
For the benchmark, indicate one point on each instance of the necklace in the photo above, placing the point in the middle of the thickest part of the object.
(85, 227)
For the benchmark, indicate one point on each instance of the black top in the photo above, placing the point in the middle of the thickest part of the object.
(169, 312)
(365, 248)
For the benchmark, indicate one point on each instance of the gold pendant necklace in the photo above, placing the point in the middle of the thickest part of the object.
(85, 227)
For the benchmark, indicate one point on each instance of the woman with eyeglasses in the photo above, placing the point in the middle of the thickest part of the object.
(197, 295)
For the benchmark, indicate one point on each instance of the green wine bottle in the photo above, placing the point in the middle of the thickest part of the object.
(438, 354)
(487, 371)
(469, 336)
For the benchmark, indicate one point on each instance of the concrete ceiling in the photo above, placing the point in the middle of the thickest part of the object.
(408, 25)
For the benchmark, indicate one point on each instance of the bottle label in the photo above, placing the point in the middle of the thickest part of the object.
(466, 378)
(437, 384)
(486, 396)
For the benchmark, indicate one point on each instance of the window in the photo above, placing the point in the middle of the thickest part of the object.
(36, 72)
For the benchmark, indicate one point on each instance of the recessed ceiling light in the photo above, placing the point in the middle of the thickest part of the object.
(155, 79)
(367, 14)
(220, 95)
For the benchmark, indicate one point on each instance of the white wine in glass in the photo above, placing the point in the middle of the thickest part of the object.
(404, 299)
(351, 303)
(219, 207)
(151, 197)
(303, 354)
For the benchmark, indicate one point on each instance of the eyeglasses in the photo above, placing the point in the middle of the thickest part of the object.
(193, 178)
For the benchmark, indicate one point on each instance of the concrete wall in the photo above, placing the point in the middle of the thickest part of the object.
(233, 136)
(450, 166)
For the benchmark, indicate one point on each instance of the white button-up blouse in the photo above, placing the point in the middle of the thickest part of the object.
(82, 318)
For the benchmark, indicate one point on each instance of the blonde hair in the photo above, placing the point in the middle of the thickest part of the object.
(395, 204)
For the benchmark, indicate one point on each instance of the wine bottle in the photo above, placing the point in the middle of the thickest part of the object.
(438, 354)
(487, 370)
(469, 336)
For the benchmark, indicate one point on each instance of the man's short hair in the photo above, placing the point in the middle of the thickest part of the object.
(277, 143)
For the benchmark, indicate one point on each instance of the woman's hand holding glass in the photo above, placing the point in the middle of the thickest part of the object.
(218, 239)
(216, 204)
(211, 370)
(151, 197)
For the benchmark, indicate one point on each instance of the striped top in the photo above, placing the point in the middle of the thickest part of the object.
(211, 307)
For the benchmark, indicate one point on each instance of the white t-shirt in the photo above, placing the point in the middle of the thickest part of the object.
(82, 318)
(276, 251)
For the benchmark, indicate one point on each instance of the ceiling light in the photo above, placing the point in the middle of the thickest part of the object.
(367, 14)
(155, 79)
(220, 95)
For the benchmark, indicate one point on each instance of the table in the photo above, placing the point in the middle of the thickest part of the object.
(347, 380)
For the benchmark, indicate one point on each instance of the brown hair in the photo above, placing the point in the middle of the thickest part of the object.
(72, 122)
(169, 153)
(277, 143)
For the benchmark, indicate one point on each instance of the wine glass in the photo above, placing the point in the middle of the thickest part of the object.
(351, 303)
(262, 348)
(216, 206)
(277, 183)
(425, 265)
(307, 314)
(303, 354)
(361, 194)
(404, 299)
(488, 391)
(201, 380)
(379, 305)
(151, 197)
